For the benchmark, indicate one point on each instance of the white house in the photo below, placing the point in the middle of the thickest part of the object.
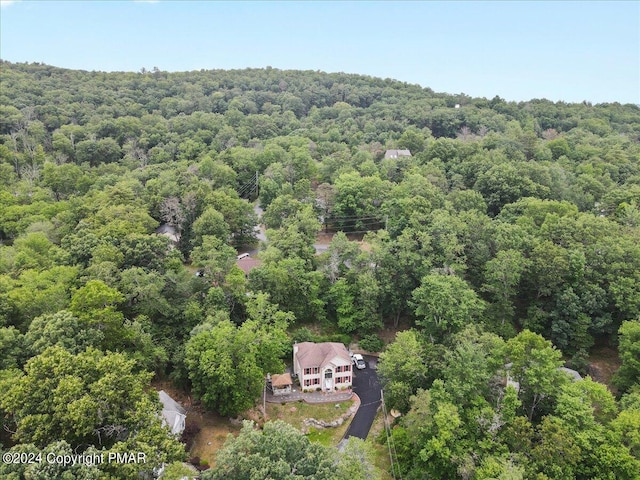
(573, 376)
(170, 232)
(173, 414)
(397, 153)
(325, 366)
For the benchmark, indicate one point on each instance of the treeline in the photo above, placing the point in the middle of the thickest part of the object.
(507, 216)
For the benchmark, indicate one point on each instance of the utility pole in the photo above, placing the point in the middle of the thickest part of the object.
(386, 431)
(257, 185)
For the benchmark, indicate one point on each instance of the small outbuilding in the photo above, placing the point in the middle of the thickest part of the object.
(173, 414)
(575, 376)
(281, 384)
(170, 232)
(397, 153)
(246, 264)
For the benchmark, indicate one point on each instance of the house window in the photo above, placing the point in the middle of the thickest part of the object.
(316, 369)
(316, 381)
(306, 383)
(347, 368)
(307, 371)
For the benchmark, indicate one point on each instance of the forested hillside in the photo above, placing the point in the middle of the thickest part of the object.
(506, 245)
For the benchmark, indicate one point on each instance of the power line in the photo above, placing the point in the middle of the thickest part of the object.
(250, 187)
(355, 220)
(390, 442)
(359, 231)
(384, 421)
(249, 184)
(355, 216)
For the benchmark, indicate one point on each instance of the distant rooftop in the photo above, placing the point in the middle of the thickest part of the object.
(168, 231)
(281, 380)
(397, 153)
(172, 412)
(572, 373)
(248, 263)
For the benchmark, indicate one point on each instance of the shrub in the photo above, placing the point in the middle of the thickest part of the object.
(338, 338)
(303, 334)
(189, 434)
(371, 343)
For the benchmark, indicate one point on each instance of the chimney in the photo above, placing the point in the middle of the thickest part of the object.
(294, 365)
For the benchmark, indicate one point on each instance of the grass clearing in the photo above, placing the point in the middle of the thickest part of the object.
(324, 437)
(380, 450)
(295, 413)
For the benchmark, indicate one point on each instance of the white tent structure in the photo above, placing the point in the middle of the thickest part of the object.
(173, 414)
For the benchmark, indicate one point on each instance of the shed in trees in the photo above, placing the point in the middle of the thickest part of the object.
(173, 414)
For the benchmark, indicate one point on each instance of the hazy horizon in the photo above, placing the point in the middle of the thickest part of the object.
(560, 51)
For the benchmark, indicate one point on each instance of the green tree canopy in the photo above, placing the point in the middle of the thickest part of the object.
(444, 304)
(227, 364)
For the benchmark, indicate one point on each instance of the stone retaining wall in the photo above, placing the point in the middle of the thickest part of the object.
(320, 424)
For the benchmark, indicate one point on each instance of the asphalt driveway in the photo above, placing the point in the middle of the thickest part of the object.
(367, 386)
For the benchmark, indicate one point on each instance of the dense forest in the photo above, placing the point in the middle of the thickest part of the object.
(507, 245)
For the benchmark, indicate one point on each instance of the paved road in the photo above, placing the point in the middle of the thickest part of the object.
(262, 237)
(367, 386)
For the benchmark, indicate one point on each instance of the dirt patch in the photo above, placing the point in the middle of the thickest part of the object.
(364, 246)
(210, 429)
(388, 334)
(214, 430)
(603, 363)
(324, 238)
(178, 394)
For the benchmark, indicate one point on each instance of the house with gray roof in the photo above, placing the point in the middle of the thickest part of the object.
(397, 153)
(170, 232)
(322, 366)
(173, 414)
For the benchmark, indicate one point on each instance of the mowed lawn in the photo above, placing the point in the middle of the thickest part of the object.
(295, 413)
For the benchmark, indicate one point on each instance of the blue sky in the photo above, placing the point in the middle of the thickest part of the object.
(569, 51)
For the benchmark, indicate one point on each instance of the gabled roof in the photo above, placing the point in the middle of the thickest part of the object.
(397, 153)
(281, 380)
(172, 412)
(319, 354)
(168, 231)
(572, 373)
(248, 263)
(165, 228)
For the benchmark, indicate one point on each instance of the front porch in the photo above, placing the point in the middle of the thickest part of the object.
(309, 397)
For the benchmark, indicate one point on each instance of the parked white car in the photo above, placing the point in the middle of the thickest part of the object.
(358, 361)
